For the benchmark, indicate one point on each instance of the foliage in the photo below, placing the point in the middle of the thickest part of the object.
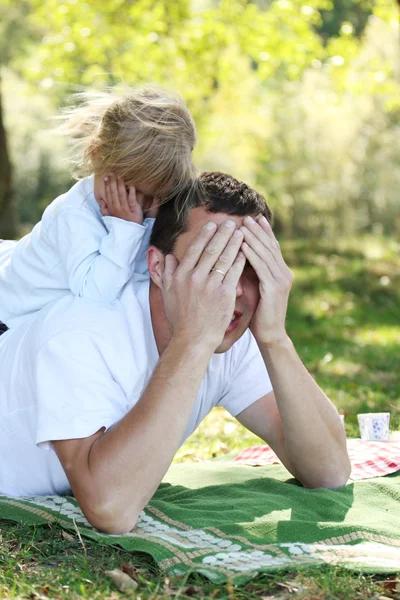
(344, 13)
(310, 119)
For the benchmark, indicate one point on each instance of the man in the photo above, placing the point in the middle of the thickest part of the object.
(115, 389)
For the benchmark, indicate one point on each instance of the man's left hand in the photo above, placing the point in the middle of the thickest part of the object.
(262, 250)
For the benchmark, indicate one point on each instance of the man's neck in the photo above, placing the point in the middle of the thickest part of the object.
(161, 328)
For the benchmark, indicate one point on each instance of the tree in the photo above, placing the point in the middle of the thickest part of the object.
(8, 212)
(13, 25)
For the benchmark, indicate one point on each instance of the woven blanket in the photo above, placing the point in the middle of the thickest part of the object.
(368, 459)
(232, 521)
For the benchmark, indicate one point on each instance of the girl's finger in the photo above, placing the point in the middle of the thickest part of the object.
(107, 191)
(103, 208)
(122, 194)
(132, 198)
(114, 196)
(152, 211)
(141, 200)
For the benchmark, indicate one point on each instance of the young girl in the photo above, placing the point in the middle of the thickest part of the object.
(128, 151)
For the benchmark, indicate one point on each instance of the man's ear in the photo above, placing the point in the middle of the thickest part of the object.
(155, 264)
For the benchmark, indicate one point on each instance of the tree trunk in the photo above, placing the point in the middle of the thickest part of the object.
(8, 209)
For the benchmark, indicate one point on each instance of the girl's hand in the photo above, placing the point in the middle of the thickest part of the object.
(127, 204)
(151, 206)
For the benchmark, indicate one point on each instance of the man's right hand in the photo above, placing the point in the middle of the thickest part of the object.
(199, 300)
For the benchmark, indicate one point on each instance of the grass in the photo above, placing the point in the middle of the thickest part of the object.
(344, 321)
(42, 563)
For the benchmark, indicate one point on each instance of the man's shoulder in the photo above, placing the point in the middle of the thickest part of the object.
(71, 315)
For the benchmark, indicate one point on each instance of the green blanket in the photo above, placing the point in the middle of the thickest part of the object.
(231, 521)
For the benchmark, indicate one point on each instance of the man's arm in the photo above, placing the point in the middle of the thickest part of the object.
(113, 474)
(301, 434)
(297, 420)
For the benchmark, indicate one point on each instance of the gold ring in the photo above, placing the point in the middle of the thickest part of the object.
(218, 271)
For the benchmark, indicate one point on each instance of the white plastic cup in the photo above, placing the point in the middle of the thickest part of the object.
(374, 426)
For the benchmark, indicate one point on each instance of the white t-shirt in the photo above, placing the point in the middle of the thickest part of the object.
(73, 248)
(78, 366)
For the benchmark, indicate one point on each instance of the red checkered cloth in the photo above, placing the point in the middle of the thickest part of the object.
(368, 459)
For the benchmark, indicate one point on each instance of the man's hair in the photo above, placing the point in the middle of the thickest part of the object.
(217, 193)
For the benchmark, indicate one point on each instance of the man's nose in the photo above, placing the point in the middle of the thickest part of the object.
(239, 288)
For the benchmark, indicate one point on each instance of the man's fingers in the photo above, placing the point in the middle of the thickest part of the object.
(261, 267)
(261, 231)
(263, 252)
(233, 275)
(170, 266)
(228, 256)
(266, 226)
(214, 249)
(196, 248)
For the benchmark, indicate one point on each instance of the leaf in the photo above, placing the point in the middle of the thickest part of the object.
(191, 590)
(392, 587)
(292, 587)
(130, 570)
(67, 536)
(122, 581)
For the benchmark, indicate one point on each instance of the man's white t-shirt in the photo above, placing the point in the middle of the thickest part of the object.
(77, 366)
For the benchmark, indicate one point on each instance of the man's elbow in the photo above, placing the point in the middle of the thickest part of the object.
(109, 519)
(329, 478)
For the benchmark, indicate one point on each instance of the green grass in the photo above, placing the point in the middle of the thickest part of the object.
(344, 320)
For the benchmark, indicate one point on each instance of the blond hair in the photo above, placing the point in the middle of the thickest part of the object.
(146, 135)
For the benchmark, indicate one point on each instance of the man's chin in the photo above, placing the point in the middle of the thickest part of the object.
(229, 340)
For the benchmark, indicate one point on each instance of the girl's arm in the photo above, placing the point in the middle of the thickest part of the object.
(98, 257)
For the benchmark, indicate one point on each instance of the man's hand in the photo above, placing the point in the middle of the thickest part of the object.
(199, 301)
(263, 253)
(128, 204)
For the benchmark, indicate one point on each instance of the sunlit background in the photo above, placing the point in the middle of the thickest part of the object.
(299, 98)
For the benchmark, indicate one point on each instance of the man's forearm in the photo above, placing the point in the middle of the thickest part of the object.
(127, 463)
(314, 440)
